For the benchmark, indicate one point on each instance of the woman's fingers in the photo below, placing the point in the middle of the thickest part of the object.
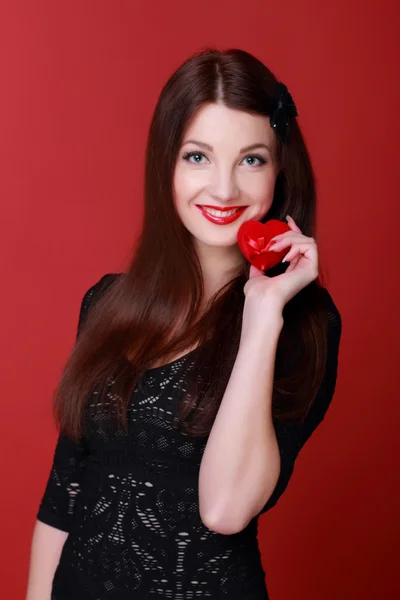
(292, 224)
(291, 239)
(287, 234)
(298, 243)
(293, 264)
(293, 252)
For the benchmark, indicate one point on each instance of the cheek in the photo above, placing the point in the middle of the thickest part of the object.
(178, 188)
(186, 185)
(260, 188)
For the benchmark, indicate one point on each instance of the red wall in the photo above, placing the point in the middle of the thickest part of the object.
(79, 81)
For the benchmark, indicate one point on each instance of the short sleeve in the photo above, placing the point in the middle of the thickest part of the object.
(93, 294)
(58, 502)
(63, 485)
(292, 436)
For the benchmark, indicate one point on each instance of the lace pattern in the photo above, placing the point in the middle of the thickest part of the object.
(129, 500)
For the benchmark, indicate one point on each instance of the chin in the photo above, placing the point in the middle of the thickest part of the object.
(217, 241)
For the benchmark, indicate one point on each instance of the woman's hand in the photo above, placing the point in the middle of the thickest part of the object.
(302, 270)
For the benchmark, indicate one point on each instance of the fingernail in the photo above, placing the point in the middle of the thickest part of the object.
(270, 244)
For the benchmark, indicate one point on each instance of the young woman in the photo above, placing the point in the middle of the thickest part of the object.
(195, 380)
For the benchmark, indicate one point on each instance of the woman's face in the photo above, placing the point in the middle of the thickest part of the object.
(227, 159)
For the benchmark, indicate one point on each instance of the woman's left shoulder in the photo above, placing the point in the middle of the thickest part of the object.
(334, 314)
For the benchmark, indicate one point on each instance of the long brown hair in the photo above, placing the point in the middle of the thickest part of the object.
(152, 311)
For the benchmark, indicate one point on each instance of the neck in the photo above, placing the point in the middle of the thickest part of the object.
(219, 265)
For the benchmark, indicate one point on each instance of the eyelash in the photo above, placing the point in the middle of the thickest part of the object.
(188, 155)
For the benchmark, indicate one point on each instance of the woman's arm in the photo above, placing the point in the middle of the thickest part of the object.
(241, 462)
(246, 450)
(55, 515)
(56, 510)
(47, 545)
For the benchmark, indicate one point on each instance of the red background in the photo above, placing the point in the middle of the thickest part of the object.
(79, 82)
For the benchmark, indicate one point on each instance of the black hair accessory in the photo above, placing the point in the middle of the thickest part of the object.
(285, 109)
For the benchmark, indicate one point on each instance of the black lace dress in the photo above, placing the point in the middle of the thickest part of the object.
(130, 501)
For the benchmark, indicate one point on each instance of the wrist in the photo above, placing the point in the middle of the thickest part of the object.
(266, 308)
(259, 341)
(263, 320)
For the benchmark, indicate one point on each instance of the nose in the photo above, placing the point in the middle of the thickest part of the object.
(223, 186)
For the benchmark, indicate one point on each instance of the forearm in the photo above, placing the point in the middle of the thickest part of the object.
(47, 544)
(241, 462)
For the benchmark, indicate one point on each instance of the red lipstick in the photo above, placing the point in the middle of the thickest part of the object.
(220, 220)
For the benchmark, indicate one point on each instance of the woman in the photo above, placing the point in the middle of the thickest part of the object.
(195, 380)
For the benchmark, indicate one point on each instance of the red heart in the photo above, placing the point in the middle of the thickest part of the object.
(254, 237)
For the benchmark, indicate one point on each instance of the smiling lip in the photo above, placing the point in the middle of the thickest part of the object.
(221, 220)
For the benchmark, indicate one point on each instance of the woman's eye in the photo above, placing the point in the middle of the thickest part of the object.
(254, 159)
(196, 156)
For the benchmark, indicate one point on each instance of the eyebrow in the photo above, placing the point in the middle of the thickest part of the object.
(245, 149)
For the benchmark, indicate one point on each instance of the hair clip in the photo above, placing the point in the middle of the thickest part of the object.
(285, 109)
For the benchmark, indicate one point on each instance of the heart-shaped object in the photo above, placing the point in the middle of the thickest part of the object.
(253, 239)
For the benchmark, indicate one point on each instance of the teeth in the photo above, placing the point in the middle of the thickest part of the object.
(220, 213)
